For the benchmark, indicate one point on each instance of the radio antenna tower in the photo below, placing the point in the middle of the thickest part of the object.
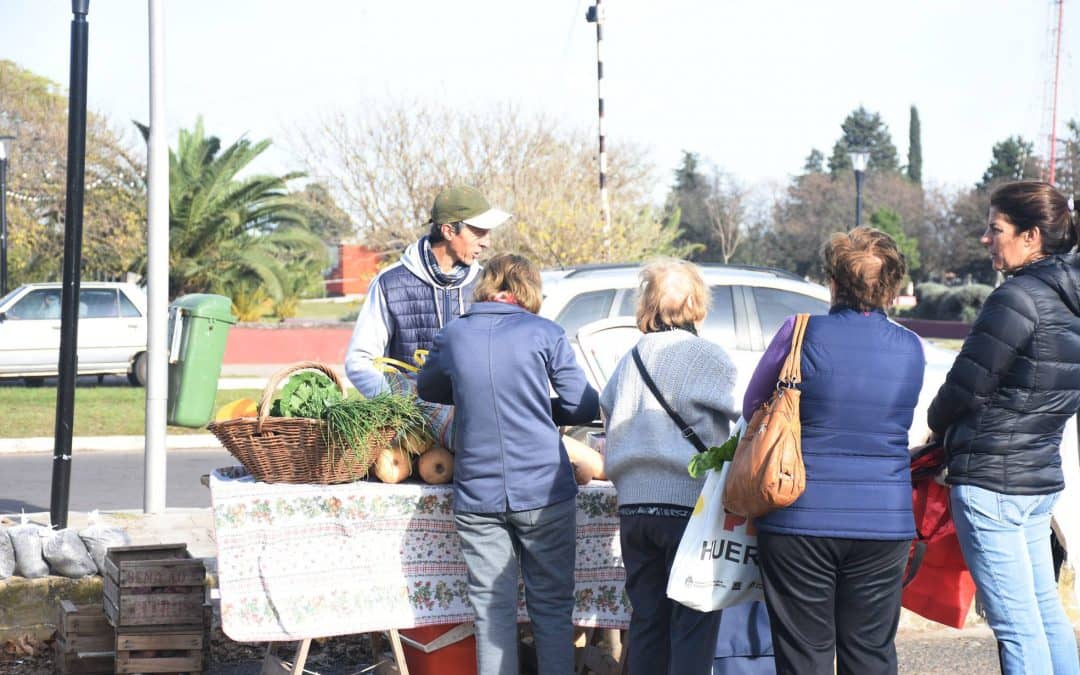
(1054, 105)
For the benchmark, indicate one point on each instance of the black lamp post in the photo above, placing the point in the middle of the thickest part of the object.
(859, 159)
(3, 215)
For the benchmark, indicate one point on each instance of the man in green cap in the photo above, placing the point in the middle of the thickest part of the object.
(411, 300)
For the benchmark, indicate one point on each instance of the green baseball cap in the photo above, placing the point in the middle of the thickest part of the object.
(465, 204)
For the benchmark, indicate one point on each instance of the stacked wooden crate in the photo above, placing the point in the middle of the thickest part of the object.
(155, 598)
(84, 640)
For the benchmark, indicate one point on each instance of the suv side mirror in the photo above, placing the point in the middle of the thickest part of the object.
(3, 316)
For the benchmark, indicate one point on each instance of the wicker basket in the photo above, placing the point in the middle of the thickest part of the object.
(293, 449)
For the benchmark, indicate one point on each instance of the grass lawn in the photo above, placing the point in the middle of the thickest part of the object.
(332, 311)
(99, 411)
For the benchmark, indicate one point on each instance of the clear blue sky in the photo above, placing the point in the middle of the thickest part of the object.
(751, 85)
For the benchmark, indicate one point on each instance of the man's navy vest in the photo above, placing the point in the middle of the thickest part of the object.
(861, 380)
(412, 318)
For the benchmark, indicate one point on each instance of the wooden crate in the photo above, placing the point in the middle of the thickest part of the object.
(161, 649)
(84, 640)
(153, 586)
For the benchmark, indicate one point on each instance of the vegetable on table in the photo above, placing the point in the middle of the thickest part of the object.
(241, 407)
(306, 394)
(393, 465)
(436, 466)
(353, 423)
(414, 441)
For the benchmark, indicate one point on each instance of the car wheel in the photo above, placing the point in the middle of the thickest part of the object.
(137, 374)
(33, 381)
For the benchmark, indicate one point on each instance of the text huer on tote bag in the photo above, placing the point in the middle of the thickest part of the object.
(716, 564)
(768, 472)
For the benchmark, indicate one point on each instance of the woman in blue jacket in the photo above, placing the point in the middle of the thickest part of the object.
(832, 563)
(514, 489)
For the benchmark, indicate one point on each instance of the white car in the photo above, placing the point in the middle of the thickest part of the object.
(111, 333)
(595, 305)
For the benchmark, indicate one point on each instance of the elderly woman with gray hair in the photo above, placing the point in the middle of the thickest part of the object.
(647, 454)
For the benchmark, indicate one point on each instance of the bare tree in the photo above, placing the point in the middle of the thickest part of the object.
(387, 163)
(725, 210)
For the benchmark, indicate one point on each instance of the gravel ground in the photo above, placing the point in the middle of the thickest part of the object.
(921, 652)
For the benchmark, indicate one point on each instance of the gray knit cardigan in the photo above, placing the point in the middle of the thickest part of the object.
(646, 455)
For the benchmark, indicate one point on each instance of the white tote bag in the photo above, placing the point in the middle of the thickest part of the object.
(716, 565)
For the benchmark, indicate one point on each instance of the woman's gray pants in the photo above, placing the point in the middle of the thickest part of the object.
(542, 540)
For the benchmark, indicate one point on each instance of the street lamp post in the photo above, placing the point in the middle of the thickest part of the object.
(3, 215)
(859, 159)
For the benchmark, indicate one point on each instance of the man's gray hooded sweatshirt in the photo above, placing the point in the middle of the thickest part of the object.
(406, 306)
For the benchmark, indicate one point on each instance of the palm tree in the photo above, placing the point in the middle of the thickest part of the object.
(229, 234)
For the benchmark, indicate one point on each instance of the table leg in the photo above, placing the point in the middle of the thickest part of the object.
(301, 656)
(273, 664)
(399, 652)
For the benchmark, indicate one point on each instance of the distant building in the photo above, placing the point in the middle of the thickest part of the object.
(356, 266)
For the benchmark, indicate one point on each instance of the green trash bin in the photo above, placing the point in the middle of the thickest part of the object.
(198, 327)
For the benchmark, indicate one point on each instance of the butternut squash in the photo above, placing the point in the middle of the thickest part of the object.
(436, 466)
(588, 463)
(393, 465)
(241, 407)
(414, 442)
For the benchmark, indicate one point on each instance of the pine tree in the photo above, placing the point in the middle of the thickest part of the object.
(815, 162)
(863, 129)
(914, 165)
(1013, 159)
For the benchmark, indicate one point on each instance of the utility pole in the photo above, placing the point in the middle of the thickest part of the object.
(3, 215)
(72, 265)
(596, 15)
(157, 273)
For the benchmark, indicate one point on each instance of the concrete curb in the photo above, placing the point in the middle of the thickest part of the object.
(106, 443)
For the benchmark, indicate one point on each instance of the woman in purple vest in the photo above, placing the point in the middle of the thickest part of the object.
(832, 563)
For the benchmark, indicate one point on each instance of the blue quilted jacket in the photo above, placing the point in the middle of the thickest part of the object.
(862, 375)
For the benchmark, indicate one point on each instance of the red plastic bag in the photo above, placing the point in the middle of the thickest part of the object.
(937, 585)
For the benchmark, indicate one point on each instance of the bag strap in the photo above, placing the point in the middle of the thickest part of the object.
(791, 373)
(687, 432)
(918, 552)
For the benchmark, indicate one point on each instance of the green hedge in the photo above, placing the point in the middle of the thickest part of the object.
(949, 303)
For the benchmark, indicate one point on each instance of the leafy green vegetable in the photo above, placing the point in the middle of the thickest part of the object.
(306, 394)
(714, 457)
(350, 423)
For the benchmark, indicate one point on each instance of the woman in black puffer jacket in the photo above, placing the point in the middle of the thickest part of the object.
(1002, 410)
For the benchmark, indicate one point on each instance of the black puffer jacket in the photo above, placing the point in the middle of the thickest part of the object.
(1016, 382)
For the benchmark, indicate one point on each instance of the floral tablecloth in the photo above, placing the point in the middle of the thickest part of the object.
(307, 561)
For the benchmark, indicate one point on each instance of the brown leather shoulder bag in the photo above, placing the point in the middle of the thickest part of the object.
(767, 472)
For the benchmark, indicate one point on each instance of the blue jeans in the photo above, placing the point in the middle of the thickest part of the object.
(1006, 544)
(543, 541)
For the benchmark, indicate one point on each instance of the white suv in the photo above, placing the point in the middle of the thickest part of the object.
(595, 305)
(748, 306)
(112, 331)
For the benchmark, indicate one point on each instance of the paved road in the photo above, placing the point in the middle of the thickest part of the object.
(106, 480)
